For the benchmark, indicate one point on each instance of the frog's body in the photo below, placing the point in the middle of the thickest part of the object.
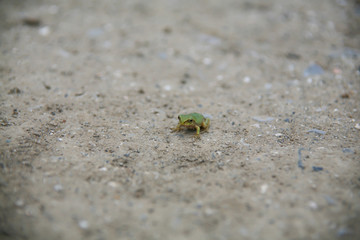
(193, 121)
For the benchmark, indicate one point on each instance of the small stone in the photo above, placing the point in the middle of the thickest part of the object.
(167, 87)
(219, 77)
(207, 61)
(347, 150)
(95, 32)
(118, 74)
(264, 188)
(31, 21)
(209, 211)
(329, 200)
(19, 203)
(263, 119)
(293, 56)
(317, 169)
(139, 193)
(268, 86)
(112, 184)
(83, 224)
(316, 131)
(313, 205)
(58, 187)
(44, 31)
(313, 69)
(246, 79)
(357, 126)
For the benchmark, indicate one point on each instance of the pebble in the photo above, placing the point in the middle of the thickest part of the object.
(209, 211)
(263, 119)
(31, 21)
(293, 56)
(246, 79)
(212, 40)
(264, 188)
(287, 120)
(58, 187)
(83, 224)
(347, 150)
(118, 74)
(268, 86)
(313, 205)
(113, 184)
(313, 69)
(95, 32)
(44, 31)
(167, 87)
(357, 126)
(316, 131)
(19, 203)
(329, 200)
(207, 61)
(162, 55)
(317, 169)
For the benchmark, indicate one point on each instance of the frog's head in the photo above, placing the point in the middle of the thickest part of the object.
(186, 119)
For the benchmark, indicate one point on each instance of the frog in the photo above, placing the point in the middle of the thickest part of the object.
(193, 121)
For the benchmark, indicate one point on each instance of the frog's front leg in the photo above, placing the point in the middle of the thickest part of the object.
(176, 129)
(197, 135)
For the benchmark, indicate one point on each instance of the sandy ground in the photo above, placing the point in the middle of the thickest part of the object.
(90, 90)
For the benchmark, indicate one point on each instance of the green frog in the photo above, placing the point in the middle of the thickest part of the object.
(192, 121)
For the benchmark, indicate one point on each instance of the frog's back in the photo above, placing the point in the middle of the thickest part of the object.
(197, 116)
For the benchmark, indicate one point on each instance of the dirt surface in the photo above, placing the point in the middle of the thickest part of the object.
(90, 90)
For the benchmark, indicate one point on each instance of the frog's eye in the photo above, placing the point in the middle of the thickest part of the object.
(190, 120)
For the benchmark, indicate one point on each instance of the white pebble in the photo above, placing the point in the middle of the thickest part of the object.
(112, 184)
(207, 61)
(268, 86)
(209, 211)
(264, 188)
(83, 224)
(58, 187)
(246, 79)
(313, 205)
(19, 202)
(44, 31)
(118, 74)
(167, 87)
